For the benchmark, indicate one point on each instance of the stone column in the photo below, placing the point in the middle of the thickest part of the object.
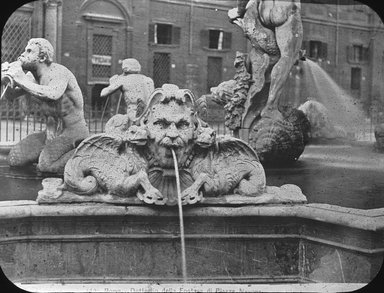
(51, 23)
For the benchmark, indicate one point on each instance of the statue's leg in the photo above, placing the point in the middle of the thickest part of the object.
(27, 150)
(146, 193)
(55, 154)
(192, 194)
(254, 183)
(259, 63)
(288, 37)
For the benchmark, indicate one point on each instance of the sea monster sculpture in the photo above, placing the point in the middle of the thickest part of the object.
(140, 162)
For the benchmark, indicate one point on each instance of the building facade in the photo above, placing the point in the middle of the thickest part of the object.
(192, 43)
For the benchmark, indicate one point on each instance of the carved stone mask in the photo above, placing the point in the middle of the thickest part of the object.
(171, 124)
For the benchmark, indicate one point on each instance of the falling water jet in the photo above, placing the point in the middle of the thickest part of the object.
(344, 110)
(181, 220)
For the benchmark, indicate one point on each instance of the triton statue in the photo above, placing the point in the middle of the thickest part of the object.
(135, 88)
(61, 102)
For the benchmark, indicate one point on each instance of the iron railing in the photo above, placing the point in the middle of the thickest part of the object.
(21, 117)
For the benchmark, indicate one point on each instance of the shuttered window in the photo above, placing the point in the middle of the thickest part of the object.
(163, 34)
(215, 39)
(357, 54)
(315, 49)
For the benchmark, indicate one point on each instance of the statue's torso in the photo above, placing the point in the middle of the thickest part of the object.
(65, 113)
(135, 86)
(262, 37)
(261, 19)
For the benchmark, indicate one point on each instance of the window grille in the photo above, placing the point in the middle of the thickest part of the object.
(16, 33)
(102, 45)
(161, 68)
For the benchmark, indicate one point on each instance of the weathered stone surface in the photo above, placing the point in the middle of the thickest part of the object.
(61, 103)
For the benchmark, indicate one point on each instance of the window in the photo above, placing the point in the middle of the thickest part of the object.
(317, 50)
(357, 51)
(161, 69)
(355, 78)
(101, 55)
(216, 39)
(214, 71)
(357, 54)
(164, 34)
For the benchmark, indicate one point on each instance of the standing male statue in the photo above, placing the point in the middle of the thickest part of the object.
(133, 86)
(61, 102)
(275, 31)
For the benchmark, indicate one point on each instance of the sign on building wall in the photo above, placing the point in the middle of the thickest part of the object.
(101, 60)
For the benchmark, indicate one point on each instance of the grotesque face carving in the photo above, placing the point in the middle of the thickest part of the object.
(170, 126)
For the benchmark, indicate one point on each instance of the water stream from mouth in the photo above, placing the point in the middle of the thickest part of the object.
(181, 219)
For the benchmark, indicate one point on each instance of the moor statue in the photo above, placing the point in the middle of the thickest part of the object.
(61, 102)
(140, 163)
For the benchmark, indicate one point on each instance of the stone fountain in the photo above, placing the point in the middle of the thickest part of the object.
(112, 217)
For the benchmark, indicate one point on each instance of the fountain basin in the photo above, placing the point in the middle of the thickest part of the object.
(343, 175)
(97, 242)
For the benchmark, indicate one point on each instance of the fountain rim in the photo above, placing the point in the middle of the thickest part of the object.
(372, 220)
